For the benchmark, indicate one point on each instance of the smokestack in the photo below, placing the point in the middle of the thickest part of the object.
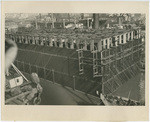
(120, 23)
(88, 24)
(45, 24)
(40, 16)
(52, 21)
(36, 25)
(96, 21)
(63, 23)
(107, 25)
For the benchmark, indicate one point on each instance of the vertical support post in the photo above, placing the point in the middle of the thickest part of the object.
(38, 40)
(77, 44)
(33, 40)
(74, 83)
(61, 43)
(107, 25)
(109, 63)
(85, 45)
(47, 41)
(53, 75)
(26, 39)
(42, 41)
(102, 80)
(88, 24)
(120, 39)
(50, 42)
(132, 46)
(20, 39)
(139, 34)
(55, 41)
(72, 44)
(80, 57)
(44, 73)
(112, 89)
(23, 38)
(100, 45)
(108, 43)
(36, 69)
(92, 45)
(124, 38)
(23, 66)
(30, 68)
(131, 35)
(66, 42)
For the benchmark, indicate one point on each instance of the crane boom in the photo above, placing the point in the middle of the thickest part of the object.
(18, 71)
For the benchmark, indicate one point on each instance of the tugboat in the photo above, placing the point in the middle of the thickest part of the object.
(19, 90)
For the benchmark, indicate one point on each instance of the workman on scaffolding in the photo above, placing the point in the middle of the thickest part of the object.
(35, 96)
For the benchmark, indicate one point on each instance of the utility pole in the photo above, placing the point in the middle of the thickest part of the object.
(53, 75)
(74, 81)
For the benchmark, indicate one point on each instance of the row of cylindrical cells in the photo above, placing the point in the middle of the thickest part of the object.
(74, 44)
(120, 48)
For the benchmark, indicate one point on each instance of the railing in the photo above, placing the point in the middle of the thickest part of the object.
(73, 81)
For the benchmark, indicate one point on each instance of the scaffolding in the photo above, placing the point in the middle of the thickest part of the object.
(96, 66)
(110, 65)
(119, 64)
(80, 57)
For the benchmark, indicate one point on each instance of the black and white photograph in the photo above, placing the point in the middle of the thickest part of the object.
(88, 59)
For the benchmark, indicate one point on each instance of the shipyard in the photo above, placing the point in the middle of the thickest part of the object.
(75, 59)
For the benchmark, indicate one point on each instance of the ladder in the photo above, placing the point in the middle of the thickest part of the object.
(96, 72)
(80, 57)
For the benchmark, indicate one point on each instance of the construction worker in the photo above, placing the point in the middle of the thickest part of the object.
(34, 96)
